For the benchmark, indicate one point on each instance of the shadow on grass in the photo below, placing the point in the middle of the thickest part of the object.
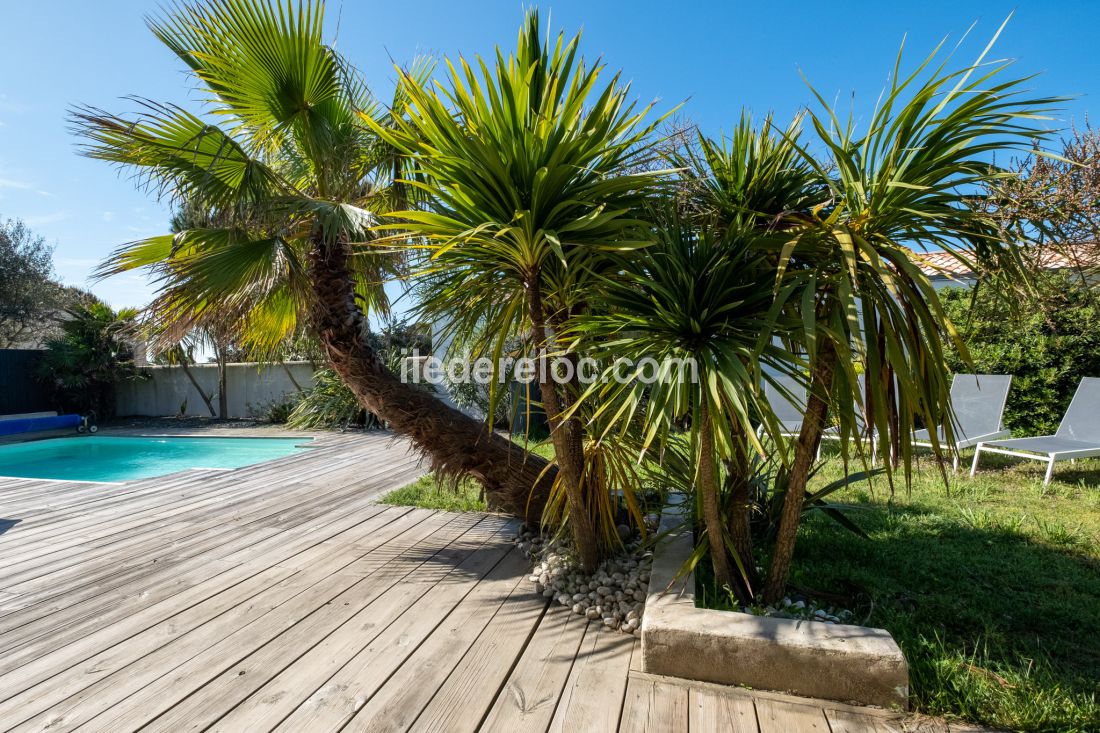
(999, 620)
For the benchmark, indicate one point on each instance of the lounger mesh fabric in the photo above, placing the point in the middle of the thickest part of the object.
(1045, 444)
(1078, 431)
(1082, 420)
(1078, 434)
(978, 403)
(788, 413)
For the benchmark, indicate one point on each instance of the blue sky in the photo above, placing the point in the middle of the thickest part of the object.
(715, 57)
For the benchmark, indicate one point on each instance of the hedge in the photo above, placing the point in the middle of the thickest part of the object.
(1048, 342)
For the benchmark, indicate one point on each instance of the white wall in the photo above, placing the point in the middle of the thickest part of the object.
(250, 388)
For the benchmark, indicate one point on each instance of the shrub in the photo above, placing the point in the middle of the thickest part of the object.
(329, 404)
(91, 356)
(1048, 343)
(279, 411)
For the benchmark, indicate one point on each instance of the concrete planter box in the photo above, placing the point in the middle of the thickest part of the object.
(830, 661)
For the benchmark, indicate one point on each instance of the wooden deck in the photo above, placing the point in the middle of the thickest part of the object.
(282, 597)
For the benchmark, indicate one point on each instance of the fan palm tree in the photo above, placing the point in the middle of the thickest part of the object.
(181, 353)
(534, 172)
(90, 357)
(294, 181)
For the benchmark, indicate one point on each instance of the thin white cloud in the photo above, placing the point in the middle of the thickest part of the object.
(108, 216)
(35, 221)
(23, 186)
(76, 262)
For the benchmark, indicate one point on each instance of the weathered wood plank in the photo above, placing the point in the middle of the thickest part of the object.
(333, 704)
(26, 664)
(530, 695)
(775, 716)
(848, 721)
(253, 494)
(199, 693)
(179, 489)
(414, 686)
(103, 609)
(710, 710)
(88, 688)
(396, 704)
(120, 567)
(655, 706)
(593, 696)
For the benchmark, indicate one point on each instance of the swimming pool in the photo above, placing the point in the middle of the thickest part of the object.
(111, 458)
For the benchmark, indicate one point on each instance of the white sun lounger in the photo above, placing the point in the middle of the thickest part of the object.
(978, 402)
(789, 413)
(1078, 434)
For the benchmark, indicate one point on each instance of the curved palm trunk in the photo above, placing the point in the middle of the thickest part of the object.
(568, 438)
(290, 376)
(198, 388)
(809, 438)
(455, 444)
(223, 382)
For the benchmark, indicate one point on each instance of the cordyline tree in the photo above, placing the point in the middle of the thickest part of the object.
(897, 188)
(832, 220)
(535, 173)
(294, 178)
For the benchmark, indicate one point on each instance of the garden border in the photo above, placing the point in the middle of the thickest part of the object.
(831, 661)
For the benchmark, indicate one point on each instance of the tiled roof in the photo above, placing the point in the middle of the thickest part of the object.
(944, 265)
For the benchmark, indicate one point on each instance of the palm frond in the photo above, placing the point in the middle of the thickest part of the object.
(178, 154)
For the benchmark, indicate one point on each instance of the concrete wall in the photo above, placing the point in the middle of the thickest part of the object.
(250, 388)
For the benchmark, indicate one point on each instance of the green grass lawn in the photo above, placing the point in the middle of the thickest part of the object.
(428, 492)
(992, 589)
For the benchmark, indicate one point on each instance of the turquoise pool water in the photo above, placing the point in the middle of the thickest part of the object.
(107, 458)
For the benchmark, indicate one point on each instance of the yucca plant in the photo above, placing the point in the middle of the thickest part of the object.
(833, 235)
(294, 181)
(530, 165)
(902, 187)
(751, 180)
(701, 313)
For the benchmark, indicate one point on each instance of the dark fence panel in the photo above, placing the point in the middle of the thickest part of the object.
(20, 390)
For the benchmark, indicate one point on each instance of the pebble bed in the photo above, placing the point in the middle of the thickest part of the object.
(790, 608)
(616, 592)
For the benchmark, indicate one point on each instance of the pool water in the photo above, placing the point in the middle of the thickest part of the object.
(108, 458)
